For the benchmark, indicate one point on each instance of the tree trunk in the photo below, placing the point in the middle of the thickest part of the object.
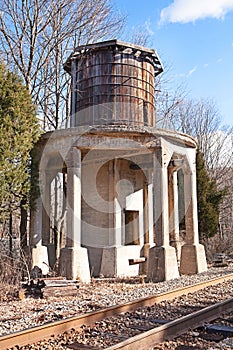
(23, 224)
(10, 236)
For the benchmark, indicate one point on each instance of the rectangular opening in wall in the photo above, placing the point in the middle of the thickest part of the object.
(132, 227)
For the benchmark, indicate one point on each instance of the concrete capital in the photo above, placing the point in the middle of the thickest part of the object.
(73, 159)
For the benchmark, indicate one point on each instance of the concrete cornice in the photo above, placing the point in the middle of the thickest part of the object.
(122, 131)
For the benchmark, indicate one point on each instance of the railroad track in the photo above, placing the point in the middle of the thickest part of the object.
(141, 341)
(149, 338)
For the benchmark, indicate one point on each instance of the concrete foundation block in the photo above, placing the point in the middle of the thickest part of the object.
(124, 254)
(115, 261)
(193, 259)
(74, 264)
(40, 258)
(108, 263)
(177, 246)
(145, 251)
(162, 265)
(95, 259)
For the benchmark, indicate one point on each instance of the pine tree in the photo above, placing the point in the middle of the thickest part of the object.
(19, 130)
(209, 199)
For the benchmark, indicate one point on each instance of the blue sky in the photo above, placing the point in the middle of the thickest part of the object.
(195, 39)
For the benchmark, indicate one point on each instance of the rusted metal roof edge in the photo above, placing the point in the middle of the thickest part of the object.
(80, 50)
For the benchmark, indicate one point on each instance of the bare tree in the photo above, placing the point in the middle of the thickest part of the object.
(36, 37)
(202, 120)
(167, 105)
(140, 35)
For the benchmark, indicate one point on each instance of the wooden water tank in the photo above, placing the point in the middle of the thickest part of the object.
(113, 83)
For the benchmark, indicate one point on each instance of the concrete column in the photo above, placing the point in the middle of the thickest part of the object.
(46, 199)
(160, 191)
(35, 234)
(118, 213)
(193, 259)
(114, 237)
(162, 258)
(146, 213)
(151, 214)
(143, 268)
(174, 212)
(73, 236)
(74, 258)
(38, 251)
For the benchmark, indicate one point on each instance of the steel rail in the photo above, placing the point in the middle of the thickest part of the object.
(174, 328)
(32, 335)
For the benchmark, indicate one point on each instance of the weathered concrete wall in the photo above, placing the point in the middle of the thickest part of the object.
(97, 205)
(115, 261)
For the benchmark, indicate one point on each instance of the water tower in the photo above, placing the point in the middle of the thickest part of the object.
(116, 192)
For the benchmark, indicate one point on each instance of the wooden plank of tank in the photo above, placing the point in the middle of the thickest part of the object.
(113, 73)
(135, 91)
(120, 91)
(123, 64)
(124, 114)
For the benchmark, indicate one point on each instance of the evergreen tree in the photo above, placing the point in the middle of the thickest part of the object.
(19, 130)
(208, 200)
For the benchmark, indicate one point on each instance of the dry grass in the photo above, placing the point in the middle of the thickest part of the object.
(11, 274)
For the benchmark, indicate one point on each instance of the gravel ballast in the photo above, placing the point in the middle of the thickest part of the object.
(16, 315)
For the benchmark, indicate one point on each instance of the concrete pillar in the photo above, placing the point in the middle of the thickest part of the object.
(113, 233)
(151, 214)
(50, 228)
(46, 199)
(174, 212)
(143, 268)
(146, 213)
(35, 234)
(74, 259)
(38, 251)
(193, 259)
(162, 258)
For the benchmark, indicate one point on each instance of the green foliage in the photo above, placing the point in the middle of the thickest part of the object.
(35, 187)
(19, 130)
(209, 199)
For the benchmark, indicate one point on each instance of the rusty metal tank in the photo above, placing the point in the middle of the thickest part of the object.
(112, 84)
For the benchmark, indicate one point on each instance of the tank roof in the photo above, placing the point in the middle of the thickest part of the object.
(118, 45)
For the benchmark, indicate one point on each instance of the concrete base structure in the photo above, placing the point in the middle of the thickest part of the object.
(145, 251)
(177, 246)
(115, 261)
(120, 207)
(162, 265)
(74, 264)
(40, 258)
(193, 259)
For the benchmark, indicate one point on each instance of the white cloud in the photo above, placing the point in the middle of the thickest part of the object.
(187, 74)
(192, 71)
(184, 11)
